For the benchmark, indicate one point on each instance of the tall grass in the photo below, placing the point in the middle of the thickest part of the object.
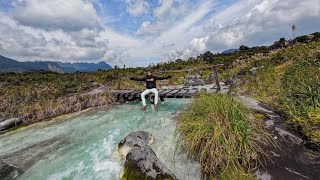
(221, 134)
(290, 81)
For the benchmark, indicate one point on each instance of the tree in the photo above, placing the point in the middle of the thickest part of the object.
(208, 56)
(243, 48)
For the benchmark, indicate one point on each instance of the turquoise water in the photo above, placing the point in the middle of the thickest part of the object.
(82, 146)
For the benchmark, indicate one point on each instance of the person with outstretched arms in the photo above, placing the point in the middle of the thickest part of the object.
(150, 87)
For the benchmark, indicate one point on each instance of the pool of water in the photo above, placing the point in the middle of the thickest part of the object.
(82, 146)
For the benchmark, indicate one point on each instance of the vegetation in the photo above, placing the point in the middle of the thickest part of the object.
(289, 80)
(222, 134)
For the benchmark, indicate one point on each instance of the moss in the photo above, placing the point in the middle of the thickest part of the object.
(132, 173)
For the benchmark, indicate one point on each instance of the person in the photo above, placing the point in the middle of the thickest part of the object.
(150, 88)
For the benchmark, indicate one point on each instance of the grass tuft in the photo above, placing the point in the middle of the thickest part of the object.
(222, 134)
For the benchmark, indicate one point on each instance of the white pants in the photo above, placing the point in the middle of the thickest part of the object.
(148, 91)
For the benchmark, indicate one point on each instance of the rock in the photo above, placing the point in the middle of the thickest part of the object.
(262, 175)
(254, 104)
(211, 78)
(269, 123)
(194, 81)
(7, 172)
(142, 163)
(235, 79)
(134, 140)
(289, 136)
(253, 70)
(9, 123)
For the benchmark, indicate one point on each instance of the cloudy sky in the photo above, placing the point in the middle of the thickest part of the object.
(138, 32)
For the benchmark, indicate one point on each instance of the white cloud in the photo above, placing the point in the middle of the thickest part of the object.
(73, 30)
(137, 7)
(70, 15)
(183, 32)
(257, 23)
(29, 43)
(165, 8)
(194, 48)
(167, 13)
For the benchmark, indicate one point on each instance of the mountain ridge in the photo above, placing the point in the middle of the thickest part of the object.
(11, 65)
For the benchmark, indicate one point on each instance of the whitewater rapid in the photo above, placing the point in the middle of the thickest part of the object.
(82, 146)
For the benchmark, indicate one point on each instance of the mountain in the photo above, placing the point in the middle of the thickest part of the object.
(10, 65)
(84, 67)
(229, 51)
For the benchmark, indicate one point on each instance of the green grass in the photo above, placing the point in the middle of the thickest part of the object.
(222, 134)
(290, 81)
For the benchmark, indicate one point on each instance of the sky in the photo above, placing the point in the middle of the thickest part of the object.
(139, 32)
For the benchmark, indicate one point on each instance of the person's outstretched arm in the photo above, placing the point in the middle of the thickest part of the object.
(162, 78)
(138, 79)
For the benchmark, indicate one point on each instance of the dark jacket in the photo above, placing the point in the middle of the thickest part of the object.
(150, 80)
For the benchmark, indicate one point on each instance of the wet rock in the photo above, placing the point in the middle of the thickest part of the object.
(142, 163)
(24, 158)
(7, 172)
(287, 135)
(9, 123)
(134, 140)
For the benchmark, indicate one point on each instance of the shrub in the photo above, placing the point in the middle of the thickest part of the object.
(220, 133)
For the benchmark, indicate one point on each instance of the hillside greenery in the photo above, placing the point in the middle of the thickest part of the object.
(290, 81)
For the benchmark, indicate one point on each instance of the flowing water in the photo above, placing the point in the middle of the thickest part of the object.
(82, 146)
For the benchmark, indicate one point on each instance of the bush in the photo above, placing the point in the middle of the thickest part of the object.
(220, 133)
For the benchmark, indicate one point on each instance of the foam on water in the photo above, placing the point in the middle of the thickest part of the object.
(83, 146)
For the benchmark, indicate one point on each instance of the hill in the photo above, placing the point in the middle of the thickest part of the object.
(229, 51)
(84, 67)
(11, 65)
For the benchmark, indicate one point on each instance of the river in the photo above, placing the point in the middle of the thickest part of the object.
(82, 146)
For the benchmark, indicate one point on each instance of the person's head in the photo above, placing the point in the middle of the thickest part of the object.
(149, 73)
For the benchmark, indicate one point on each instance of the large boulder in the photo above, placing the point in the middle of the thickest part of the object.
(9, 123)
(142, 163)
(7, 172)
(134, 140)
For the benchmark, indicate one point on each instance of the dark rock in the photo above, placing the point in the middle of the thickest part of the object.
(142, 163)
(134, 140)
(9, 123)
(7, 172)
